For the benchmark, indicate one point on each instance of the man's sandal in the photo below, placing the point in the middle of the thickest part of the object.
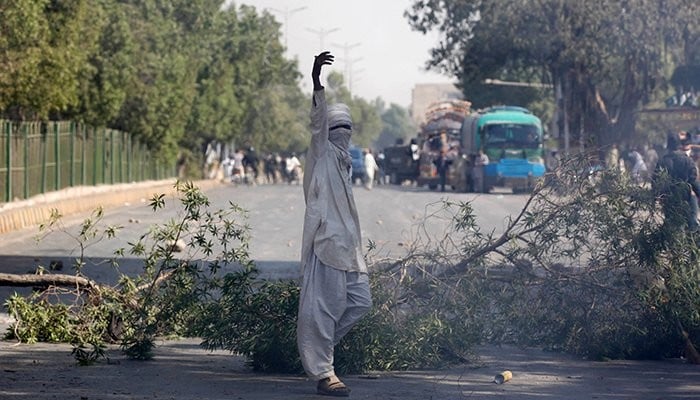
(332, 387)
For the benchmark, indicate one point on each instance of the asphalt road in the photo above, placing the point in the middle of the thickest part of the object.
(182, 370)
(390, 216)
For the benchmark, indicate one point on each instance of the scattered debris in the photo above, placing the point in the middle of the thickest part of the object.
(503, 377)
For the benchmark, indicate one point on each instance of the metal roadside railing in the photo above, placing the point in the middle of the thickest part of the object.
(41, 157)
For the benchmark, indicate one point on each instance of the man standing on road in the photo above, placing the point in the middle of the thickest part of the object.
(676, 180)
(481, 160)
(442, 165)
(335, 286)
(371, 168)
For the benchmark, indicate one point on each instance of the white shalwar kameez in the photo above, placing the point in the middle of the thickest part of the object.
(335, 286)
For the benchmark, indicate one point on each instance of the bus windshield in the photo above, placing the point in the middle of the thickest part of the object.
(512, 135)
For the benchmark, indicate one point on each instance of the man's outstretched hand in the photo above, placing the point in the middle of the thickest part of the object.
(325, 58)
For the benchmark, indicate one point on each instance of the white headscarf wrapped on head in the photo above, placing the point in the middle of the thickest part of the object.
(339, 125)
(340, 130)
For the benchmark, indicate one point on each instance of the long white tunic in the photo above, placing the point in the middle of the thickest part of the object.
(331, 224)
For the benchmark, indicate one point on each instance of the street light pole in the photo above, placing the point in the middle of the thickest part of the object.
(348, 62)
(353, 77)
(286, 13)
(322, 33)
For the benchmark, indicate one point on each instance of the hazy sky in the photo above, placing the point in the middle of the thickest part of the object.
(385, 58)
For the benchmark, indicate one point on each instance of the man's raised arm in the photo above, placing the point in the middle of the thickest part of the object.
(320, 60)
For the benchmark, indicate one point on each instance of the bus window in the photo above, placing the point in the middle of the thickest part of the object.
(526, 135)
(495, 134)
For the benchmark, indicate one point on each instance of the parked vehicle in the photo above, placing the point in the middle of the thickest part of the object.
(399, 164)
(358, 164)
(441, 131)
(511, 137)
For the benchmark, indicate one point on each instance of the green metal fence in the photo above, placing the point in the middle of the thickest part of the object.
(40, 157)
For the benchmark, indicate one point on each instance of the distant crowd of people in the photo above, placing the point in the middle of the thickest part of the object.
(640, 162)
(684, 98)
(245, 166)
(673, 175)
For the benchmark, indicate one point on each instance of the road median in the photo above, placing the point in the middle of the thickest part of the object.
(34, 211)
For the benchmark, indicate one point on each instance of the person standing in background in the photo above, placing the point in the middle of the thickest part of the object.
(371, 168)
(639, 167)
(676, 183)
(250, 162)
(292, 167)
(651, 157)
(480, 161)
(270, 166)
(442, 165)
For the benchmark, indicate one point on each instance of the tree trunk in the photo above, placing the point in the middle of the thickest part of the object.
(45, 280)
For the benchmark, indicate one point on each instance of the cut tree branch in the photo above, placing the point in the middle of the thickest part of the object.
(44, 280)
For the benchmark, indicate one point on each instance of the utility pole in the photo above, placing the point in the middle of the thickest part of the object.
(562, 117)
(347, 61)
(352, 71)
(286, 13)
(322, 33)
